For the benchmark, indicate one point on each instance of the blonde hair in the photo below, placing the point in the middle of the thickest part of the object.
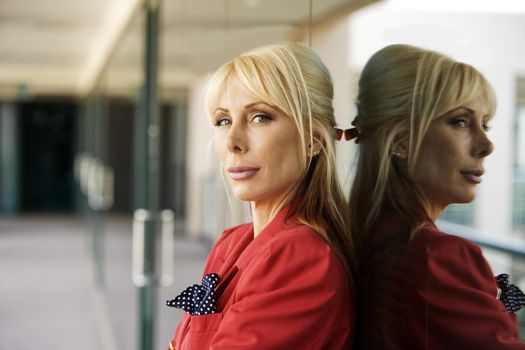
(293, 79)
(402, 89)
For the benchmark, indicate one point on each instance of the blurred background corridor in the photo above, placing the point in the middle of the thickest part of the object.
(110, 194)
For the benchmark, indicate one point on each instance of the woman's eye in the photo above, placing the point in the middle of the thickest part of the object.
(460, 122)
(260, 118)
(222, 122)
(485, 126)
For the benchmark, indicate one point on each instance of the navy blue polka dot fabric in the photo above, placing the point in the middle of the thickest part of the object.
(510, 295)
(198, 299)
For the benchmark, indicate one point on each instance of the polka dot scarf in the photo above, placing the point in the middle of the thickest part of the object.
(510, 295)
(198, 299)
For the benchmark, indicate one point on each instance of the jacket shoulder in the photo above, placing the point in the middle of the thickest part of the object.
(440, 245)
(453, 259)
(300, 237)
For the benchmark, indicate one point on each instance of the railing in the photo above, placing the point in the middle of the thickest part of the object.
(510, 245)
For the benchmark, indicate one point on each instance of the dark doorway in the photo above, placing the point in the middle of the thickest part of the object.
(120, 146)
(47, 149)
(173, 158)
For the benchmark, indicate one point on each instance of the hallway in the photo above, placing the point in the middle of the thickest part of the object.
(48, 298)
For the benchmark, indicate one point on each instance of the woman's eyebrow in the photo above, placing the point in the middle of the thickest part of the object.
(469, 111)
(461, 108)
(220, 109)
(249, 105)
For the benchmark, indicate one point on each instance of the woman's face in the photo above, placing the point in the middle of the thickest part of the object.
(450, 164)
(258, 146)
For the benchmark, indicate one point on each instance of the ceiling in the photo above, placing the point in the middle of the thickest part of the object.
(45, 43)
(62, 46)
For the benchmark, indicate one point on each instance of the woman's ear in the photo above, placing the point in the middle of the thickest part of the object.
(399, 149)
(314, 148)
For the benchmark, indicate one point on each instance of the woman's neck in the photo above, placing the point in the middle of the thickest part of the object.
(435, 211)
(263, 212)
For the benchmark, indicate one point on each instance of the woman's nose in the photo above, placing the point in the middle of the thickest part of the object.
(484, 146)
(236, 139)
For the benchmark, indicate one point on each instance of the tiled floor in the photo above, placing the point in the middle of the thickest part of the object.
(48, 298)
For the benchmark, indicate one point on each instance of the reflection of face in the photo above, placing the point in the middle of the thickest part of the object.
(450, 163)
(258, 145)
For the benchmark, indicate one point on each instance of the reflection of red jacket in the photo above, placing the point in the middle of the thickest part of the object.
(288, 290)
(436, 291)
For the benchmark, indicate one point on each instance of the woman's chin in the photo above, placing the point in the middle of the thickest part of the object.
(467, 198)
(243, 196)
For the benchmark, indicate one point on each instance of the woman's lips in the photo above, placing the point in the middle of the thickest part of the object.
(241, 172)
(473, 176)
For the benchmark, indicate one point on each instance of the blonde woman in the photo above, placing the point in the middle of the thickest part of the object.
(422, 136)
(283, 281)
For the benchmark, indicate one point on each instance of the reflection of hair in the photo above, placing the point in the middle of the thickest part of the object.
(402, 89)
(292, 78)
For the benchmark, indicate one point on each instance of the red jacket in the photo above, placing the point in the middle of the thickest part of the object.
(435, 291)
(288, 290)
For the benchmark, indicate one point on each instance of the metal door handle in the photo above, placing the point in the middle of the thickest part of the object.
(139, 277)
(168, 227)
